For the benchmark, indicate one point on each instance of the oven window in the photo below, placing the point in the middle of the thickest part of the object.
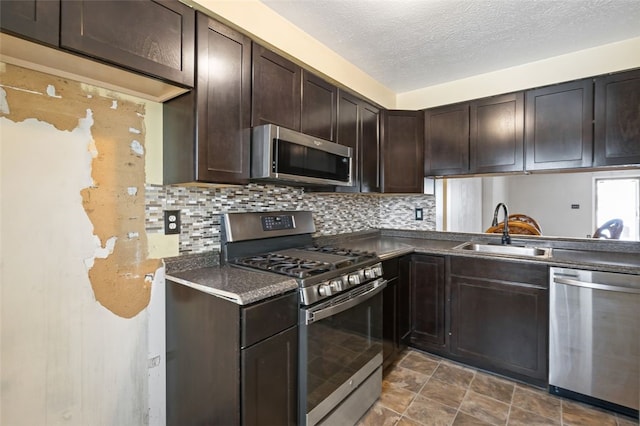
(300, 160)
(339, 346)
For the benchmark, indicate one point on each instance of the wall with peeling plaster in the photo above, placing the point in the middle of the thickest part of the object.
(76, 278)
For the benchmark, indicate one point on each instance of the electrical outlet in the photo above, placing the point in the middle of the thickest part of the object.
(171, 222)
(418, 213)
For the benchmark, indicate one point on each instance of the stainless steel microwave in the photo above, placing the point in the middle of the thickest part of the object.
(283, 155)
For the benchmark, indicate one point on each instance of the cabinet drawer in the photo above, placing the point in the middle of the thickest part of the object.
(267, 318)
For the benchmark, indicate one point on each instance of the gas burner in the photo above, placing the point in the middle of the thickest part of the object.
(341, 251)
(286, 265)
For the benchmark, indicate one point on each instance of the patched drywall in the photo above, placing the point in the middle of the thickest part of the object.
(64, 358)
(120, 272)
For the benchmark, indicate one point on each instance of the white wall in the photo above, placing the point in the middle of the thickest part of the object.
(464, 208)
(548, 198)
(585, 63)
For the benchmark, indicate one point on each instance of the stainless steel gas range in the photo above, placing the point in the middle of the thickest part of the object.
(340, 317)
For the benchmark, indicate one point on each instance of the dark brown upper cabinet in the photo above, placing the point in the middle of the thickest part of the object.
(36, 20)
(215, 147)
(358, 128)
(153, 37)
(370, 155)
(402, 151)
(617, 119)
(559, 126)
(319, 107)
(276, 90)
(497, 134)
(447, 140)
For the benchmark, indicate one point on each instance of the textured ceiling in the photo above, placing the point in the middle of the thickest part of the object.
(411, 44)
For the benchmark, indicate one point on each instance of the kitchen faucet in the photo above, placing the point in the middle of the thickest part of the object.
(506, 239)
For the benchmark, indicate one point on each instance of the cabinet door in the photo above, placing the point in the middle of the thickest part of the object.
(617, 119)
(319, 107)
(155, 37)
(447, 140)
(276, 90)
(270, 381)
(402, 151)
(559, 126)
(370, 148)
(403, 294)
(389, 329)
(224, 102)
(349, 134)
(38, 20)
(499, 317)
(497, 134)
(390, 340)
(428, 302)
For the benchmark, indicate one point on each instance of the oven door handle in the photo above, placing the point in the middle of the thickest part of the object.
(313, 316)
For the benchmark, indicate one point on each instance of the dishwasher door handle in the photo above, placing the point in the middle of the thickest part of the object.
(596, 286)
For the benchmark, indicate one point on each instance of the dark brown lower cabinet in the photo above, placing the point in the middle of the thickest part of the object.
(499, 316)
(269, 380)
(403, 292)
(229, 364)
(390, 344)
(428, 303)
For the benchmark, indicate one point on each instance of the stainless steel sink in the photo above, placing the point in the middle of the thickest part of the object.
(505, 250)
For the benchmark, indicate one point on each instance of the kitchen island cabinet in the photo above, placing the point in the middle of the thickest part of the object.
(500, 316)
(617, 119)
(230, 364)
(213, 146)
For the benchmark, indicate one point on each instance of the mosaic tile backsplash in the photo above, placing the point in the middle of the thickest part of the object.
(200, 209)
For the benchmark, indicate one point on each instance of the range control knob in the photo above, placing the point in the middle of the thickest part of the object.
(354, 279)
(370, 273)
(336, 285)
(376, 271)
(325, 290)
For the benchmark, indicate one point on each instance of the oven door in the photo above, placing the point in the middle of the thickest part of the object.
(341, 355)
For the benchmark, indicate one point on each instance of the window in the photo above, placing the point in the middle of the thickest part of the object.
(619, 198)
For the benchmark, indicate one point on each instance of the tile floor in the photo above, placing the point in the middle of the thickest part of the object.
(422, 389)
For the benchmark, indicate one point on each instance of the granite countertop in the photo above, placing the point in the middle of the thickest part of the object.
(242, 286)
(238, 285)
(389, 244)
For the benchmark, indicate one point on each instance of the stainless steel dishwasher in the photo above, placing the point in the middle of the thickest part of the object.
(594, 339)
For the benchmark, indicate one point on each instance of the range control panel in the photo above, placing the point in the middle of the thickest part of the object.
(276, 223)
